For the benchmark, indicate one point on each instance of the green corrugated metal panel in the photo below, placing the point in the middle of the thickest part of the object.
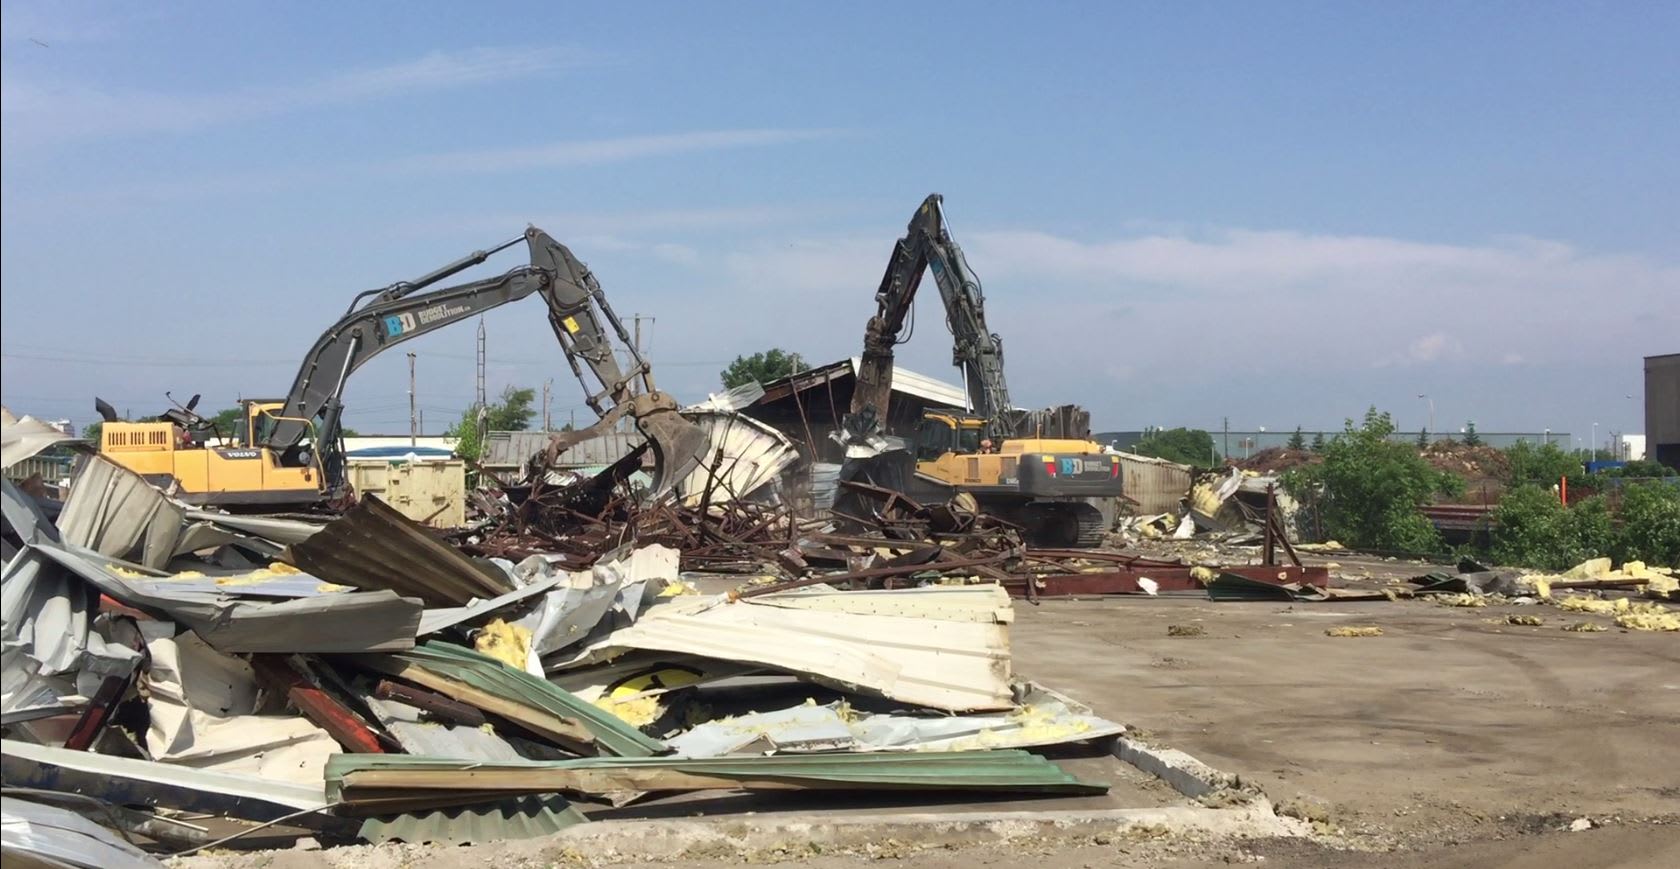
(521, 818)
(1007, 770)
(489, 674)
(1232, 586)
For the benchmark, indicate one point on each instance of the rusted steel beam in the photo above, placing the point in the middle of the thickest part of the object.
(1165, 579)
(437, 705)
(344, 726)
(872, 573)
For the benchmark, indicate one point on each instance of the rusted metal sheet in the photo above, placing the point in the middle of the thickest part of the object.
(1459, 517)
(1125, 581)
(375, 547)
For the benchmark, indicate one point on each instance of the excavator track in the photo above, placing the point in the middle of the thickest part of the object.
(1090, 525)
(1063, 524)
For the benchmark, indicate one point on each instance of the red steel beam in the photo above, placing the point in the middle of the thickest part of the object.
(343, 725)
(1165, 579)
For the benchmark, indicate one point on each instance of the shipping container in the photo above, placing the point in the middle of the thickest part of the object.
(432, 492)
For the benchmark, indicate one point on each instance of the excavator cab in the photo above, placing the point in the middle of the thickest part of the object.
(943, 433)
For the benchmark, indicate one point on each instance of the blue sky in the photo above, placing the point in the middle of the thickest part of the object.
(1275, 213)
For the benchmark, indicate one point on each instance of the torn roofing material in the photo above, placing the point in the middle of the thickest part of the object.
(354, 622)
(374, 547)
(126, 781)
(26, 436)
(1043, 718)
(464, 666)
(357, 778)
(957, 666)
(115, 512)
(56, 837)
(520, 818)
(754, 455)
(286, 531)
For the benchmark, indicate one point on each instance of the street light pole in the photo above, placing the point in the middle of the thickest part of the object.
(1592, 449)
(1431, 409)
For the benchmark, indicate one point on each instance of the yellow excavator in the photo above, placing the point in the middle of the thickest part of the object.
(288, 453)
(995, 453)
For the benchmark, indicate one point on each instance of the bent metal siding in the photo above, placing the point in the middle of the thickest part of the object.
(1156, 485)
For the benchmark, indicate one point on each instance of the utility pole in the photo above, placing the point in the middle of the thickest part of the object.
(413, 411)
(482, 403)
(640, 350)
(1227, 425)
(548, 422)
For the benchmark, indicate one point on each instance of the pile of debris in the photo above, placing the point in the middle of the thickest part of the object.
(1483, 469)
(177, 678)
(1276, 460)
(1628, 596)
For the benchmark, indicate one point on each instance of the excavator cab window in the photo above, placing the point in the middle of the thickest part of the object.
(934, 439)
(968, 440)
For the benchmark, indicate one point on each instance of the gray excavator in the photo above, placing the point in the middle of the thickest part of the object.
(289, 452)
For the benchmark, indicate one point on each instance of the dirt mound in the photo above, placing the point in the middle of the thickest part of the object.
(1275, 460)
(1483, 469)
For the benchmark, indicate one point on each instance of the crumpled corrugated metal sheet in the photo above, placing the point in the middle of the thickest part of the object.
(346, 622)
(512, 449)
(127, 781)
(46, 621)
(58, 837)
(522, 818)
(754, 455)
(489, 674)
(284, 531)
(375, 547)
(1005, 771)
(26, 436)
(1043, 717)
(114, 511)
(203, 714)
(904, 652)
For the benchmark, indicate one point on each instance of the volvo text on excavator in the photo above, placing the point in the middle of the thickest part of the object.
(1045, 484)
(288, 452)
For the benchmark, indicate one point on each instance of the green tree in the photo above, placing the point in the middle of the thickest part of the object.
(1650, 525)
(1423, 439)
(1318, 442)
(763, 367)
(92, 431)
(1641, 468)
(1541, 466)
(1471, 439)
(1187, 446)
(1297, 441)
(1368, 489)
(513, 412)
(1531, 527)
(226, 420)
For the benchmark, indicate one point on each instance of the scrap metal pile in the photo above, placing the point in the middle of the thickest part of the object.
(177, 678)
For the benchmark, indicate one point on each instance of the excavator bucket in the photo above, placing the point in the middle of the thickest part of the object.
(677, 447)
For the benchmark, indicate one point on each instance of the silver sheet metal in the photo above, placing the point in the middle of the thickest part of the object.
(127, 781)
(65, 838)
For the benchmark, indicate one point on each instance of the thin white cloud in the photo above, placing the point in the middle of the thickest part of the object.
(38, 111)
(1222, 299)
(1434, 347)
(599, 151)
